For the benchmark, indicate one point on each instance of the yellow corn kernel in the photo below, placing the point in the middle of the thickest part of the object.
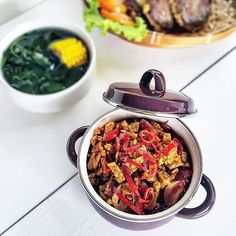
(71, 51)
(139, 160)
(108, 146)
(109, 127)
(157, 186)
(135, 141)
(160, 162)
(133, 135)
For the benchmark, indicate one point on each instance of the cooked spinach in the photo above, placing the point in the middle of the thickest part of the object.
(30, 66)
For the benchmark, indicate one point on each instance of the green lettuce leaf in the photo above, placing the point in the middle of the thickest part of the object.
(93, 19)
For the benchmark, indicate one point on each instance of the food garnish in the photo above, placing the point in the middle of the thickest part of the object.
(71, 51)
(139, 166)
(135, 30)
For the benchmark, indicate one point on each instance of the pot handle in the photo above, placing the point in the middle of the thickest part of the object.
(206, 206)
(70, 147)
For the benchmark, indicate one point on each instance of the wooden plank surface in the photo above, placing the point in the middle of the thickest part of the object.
(33, 161)
(69, 212)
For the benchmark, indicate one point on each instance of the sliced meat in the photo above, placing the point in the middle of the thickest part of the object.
(191, 14)
(172, 192)
(133, 8)
(158, 13)
(94, 160)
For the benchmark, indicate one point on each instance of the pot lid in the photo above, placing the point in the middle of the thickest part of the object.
(145, 98)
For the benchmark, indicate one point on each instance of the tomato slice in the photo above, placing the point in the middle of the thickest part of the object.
(115, 6)
(118, 17)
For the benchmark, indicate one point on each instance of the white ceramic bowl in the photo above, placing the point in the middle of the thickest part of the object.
(60, 100)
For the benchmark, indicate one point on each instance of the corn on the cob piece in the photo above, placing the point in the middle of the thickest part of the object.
(71, 51)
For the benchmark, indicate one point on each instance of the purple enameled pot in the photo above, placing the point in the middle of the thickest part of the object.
(153, 103)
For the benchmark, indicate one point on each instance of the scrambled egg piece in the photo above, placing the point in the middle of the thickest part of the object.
(117, 172)
(133, 168)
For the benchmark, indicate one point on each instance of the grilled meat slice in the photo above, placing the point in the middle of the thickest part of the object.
(158, 13)
(191, 14)
(133, 8)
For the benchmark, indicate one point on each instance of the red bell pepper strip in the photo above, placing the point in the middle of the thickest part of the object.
(148, 195)
(124, 137)
(112, 134)
(124, 140)
(171, 146)
(105, 168)
(152, 145)
(142, 190)
(130, 181)
(152, 171)
(147, 137)
(138, 209)
(133, 148)
(117, 144)
(132, 162)
(143, 201)
(147, 126)
(147, 156)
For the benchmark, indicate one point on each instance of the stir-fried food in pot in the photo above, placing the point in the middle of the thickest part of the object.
(138, 166)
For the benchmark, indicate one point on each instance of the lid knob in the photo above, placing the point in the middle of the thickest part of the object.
(160, 83)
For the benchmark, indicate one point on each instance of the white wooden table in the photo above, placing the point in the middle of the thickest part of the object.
(40, 193)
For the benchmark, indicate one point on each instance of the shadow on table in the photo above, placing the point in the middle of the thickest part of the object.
(130, 225)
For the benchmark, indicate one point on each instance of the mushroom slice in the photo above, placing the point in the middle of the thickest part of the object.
(158, 13)
(94, 160)
(191, 14)
(172, 192)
